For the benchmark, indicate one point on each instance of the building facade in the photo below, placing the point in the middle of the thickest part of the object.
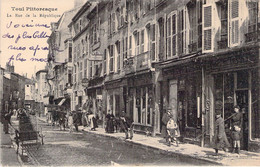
(41, 89)
(196, 57)
(60, 61)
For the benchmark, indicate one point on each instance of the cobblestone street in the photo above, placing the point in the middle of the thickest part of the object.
(81, 148)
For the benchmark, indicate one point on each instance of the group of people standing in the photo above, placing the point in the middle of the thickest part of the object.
(122, 123)
(221, 141)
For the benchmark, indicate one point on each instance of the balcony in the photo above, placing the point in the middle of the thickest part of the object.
(252, 37)
(222, 44)
(129, 65)
(137, 63)
(192, 47)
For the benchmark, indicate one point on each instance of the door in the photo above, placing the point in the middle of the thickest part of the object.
(173, 98)
(181, 111)
(242, 101)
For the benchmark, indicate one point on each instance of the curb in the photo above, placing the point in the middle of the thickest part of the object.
(212, 162)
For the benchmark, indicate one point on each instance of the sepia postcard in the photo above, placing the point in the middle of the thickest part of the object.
(130, 82)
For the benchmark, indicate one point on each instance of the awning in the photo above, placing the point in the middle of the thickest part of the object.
(62, 101)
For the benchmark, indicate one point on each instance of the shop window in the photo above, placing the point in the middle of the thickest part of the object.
(138, 105)
(143, 92)
(192, 106)
(255, 118)
(242, 79)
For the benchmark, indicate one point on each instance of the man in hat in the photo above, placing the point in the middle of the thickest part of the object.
(165, 119)
(236, 125)
(220, 136)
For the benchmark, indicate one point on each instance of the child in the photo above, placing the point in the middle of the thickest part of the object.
(172, 130)
(236, 138)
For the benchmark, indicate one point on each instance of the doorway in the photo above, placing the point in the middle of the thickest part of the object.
(181, 111)
(242, 101)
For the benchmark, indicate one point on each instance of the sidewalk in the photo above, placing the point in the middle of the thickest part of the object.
(8, 156)
(189, 150)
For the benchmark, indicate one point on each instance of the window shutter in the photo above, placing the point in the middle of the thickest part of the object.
(207, 42)
(234, 22)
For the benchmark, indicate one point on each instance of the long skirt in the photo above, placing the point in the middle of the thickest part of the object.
(110, 126)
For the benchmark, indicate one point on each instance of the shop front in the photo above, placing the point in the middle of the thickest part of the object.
(181, 92)
(234, 80)
(115, 97)
(140, 100)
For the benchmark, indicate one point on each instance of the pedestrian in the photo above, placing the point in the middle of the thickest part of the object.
(220, 136)
(109, 123)
(76, 120)
(236, 126)
(93, 121)
(7, 120)
(70, 122)
(126, 124)
(165, 119)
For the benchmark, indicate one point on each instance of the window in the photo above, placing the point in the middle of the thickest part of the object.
(137, 43)
(95, 33)
(130, 45)
(70, 77)
(70, 52)
(105, 61)
(171, 36)
(83, 47)
(87, 46)
(113, 22)
(224, 22)
(118, 55)
(85, 67)
(192, 32)
(111, 59)
(110, 24)
(252, 21)
(80, 25)
(90, 69)
(124, 45)
(142, 41)
(152, 42)
(234, 22)
(181, 29)
(80, 71)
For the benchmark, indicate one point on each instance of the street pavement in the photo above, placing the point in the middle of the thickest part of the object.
(62, 148)
(88, 147)
(8, 156)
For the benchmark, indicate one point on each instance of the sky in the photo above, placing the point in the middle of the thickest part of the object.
(16, 44)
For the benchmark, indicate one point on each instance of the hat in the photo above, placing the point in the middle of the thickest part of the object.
(218, 112)
(237, 106)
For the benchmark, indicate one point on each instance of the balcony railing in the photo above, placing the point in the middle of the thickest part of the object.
(252, 36)
(223, 44)
(192, 47)
(137, 63)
